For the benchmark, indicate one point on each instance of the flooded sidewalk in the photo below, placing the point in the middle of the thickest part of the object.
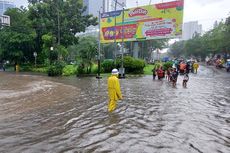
(64, 115)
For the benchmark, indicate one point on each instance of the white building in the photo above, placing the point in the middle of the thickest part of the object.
(190, 29)
(4, 20)
(93, 6)
(110, 5)
(4, 5)
(89, 31)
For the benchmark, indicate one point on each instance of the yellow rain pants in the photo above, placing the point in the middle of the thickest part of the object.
(114, 92)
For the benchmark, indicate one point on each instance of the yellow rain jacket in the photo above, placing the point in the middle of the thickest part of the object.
(114, 92)
(195, 65)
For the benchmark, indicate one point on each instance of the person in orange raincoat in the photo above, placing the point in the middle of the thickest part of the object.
(182, 67)
(114, 90)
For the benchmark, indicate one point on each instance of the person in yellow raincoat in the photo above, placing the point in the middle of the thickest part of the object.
(114, 90)
(195, 67)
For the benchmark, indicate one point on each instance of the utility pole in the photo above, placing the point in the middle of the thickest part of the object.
(58, 18)
(59, 31)
(150, 1)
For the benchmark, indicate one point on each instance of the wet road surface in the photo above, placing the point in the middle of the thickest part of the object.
(65, 115)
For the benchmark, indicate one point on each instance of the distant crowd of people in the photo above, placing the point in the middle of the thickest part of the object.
(179, 67)
(219, 62)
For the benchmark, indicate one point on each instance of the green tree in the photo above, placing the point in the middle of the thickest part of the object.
(227, 35)
(63, 19)
(177, 48)
(17, 40)
(215, 41)
(86, 53)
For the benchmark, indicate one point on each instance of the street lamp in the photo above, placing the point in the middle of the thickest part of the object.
(35, 59)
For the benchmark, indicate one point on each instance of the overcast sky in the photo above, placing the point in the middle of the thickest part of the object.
(205, 11)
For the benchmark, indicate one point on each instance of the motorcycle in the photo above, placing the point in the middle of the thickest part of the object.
(228, 65)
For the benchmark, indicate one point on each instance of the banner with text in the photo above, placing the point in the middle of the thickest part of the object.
(156, 21)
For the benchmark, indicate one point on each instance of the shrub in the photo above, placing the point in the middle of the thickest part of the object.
(167, 65)
(80, 69)
(132, 65)
(40, 69)
(107, 65)
(25, 68)
(56, 68)
(53, 56)
(94, 69)
(69, 70)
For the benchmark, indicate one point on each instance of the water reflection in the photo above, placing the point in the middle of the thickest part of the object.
(41, 114)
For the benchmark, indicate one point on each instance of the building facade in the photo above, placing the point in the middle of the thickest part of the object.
(93, 6)
(190, 29)
(4, 5)
(110, 5)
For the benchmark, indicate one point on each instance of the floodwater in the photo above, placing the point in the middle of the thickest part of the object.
(64, 115)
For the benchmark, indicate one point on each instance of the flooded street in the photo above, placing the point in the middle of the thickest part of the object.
(64, 115)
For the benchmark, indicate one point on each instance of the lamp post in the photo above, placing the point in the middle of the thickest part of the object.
(50, 58)
(35, 59)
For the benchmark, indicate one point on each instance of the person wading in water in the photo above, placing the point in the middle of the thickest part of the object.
(114, 90)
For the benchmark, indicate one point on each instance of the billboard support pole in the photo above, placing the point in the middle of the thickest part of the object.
(99, 48)
(115, 34)
(122, 71)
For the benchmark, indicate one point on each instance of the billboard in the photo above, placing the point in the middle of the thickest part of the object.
(158, 21)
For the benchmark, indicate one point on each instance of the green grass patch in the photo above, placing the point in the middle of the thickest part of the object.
(94, 69)
(105, 74)
(148, 69)
(69, 70)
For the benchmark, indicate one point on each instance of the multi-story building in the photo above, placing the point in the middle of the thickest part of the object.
(93, 6)
(190, 29)
(4, 5)
(110, 5)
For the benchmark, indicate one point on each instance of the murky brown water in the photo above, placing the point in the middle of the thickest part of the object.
(65, 115)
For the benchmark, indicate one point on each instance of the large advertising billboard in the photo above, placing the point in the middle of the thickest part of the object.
(156, 21)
